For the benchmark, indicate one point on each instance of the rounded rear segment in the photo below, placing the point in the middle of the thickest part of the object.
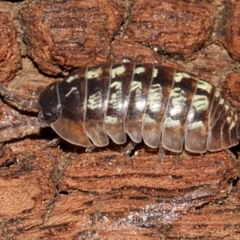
(223, 125)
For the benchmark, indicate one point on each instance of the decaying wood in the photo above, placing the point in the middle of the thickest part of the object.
(65, 193)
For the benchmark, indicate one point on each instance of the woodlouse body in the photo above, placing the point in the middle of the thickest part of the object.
(155, 103)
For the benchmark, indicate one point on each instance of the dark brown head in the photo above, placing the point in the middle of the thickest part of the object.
(49, 104)
(62, 107)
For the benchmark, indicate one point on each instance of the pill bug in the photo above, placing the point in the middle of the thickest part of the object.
(157, 104)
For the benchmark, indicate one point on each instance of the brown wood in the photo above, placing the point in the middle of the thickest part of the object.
(65, 193)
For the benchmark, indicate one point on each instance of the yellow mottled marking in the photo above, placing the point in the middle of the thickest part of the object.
(94, 73)
(118, 71)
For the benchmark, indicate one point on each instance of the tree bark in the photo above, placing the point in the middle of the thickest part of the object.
(66, 193)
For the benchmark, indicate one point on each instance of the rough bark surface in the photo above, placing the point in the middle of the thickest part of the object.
(65, 193)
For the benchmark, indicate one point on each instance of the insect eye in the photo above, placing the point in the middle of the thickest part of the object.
(47, 115)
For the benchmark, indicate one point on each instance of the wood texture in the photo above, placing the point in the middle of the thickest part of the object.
(65, 193)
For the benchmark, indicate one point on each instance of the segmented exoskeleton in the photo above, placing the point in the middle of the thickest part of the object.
(159, 104)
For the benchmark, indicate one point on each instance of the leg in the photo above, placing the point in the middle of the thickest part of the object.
(13, 100)
(90, 149)
(53, 143)
(130, 146)
(161, 151)
(228, 151)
